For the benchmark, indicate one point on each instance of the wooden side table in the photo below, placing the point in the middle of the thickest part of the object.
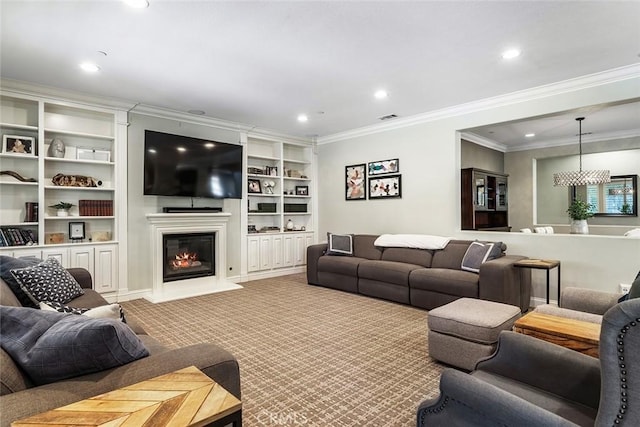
(542, 264)
(182, 398)
(577, 335)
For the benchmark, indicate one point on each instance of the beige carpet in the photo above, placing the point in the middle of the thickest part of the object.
(308, 355)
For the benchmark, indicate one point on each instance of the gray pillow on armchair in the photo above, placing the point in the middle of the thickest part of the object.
(51, 346)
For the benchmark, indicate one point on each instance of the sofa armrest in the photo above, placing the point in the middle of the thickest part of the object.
(217, 363)
(468, 401)
(500, 281)
(567, 373)
(588, 300)
(82, 276)
(314, 252)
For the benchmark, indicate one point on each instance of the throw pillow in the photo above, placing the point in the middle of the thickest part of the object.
(7, 264)
(52, 346)
(110, 311)
(478, 253)
(48, 281)
(340, 244)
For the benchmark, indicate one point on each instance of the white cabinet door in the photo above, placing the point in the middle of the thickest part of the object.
(82, 257)
(288, 250)
(277, 251)
(19, 253)
(61, 254)
(300, 249)
(308, 241)
(253, 253)
(105, 277)
(265, 252)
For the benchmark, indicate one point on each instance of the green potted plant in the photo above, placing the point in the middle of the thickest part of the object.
(579, 211)
(62, 208)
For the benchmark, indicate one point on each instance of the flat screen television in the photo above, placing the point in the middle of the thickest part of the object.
(177, 165)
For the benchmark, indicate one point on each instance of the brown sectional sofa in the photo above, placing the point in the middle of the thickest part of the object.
(419, 277)
(20, 398)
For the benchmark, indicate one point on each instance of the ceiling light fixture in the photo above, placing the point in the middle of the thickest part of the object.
(137, 4)
(510, 54)
(381, 94)
(302, 118)
(589, 177)
(89, 67)
(530, 135)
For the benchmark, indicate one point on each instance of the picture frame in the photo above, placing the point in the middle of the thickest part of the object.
(302, 190)
(272, 170)
(384, 167)
(76, 230)
(93, 154)
(355, 182)
(385, 187)
(254, 187)
(19, 145)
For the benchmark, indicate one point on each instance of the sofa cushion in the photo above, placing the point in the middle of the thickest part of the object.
(411, 256)
(51, 346)
(7, 264)
(12, 378)
(451, 256)
(339, 244)
(387, 271)
(445, 281)
(347, 266)
(47, 281)
(363, 246)
(478, 253)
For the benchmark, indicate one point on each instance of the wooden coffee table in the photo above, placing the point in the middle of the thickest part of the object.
(574, 334)
(182, 398)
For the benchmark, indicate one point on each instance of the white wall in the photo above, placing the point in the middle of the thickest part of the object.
(139, 274)
(429, 156)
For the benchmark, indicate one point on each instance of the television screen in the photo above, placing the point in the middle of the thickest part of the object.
(177, 165)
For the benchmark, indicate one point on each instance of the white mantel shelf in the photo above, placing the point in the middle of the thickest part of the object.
(196, 222)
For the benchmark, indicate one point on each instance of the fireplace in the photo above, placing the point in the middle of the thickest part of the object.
(175, 237)
(188, 256)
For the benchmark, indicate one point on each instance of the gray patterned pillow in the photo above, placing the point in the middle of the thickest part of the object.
(52, 346)
(48, 281)
(479, 253)
(339, 244)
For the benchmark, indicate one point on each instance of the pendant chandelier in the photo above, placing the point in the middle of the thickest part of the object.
(580, 177)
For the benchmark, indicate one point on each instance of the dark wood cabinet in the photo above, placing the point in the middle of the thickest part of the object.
(484, 201)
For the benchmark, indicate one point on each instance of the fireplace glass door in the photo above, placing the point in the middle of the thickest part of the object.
(187, 256)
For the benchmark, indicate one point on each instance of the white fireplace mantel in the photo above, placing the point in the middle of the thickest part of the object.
(192, 222)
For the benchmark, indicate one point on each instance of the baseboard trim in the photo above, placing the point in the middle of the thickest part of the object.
(257, 275)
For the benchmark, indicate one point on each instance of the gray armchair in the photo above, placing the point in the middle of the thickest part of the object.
(581, 304)
(530, 382)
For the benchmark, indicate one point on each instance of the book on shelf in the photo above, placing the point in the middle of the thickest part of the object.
(31, 212)
(13, 236)
(95, 207)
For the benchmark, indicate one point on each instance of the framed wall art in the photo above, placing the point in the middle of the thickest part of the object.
(302, 190)
(385, 187)
(19, 145)
(355, 182)
(76, 231)
(254, 186)
(383, 167)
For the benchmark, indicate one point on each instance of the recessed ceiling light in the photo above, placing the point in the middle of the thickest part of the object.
(303, 118)
(89, 67)
(209, 145)
(381, 94)
(138, 4)
(510, 54)
(181, 149)
(530, 135)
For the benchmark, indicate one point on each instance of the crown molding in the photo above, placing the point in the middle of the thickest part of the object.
(250, 130)
(52, 94)
(587, 139)
(481, 140)
(571, 85)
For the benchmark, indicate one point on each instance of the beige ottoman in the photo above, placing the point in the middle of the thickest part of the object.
(466, 330)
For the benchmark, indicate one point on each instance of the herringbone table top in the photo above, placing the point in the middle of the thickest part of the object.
(182, 398)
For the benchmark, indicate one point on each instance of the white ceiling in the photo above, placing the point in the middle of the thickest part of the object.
(262, 63)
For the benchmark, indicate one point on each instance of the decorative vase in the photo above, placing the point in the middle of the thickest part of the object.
(57, 149)
(62, 212)
(579, 226)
